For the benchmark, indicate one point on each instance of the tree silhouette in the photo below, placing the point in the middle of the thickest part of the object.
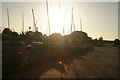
(79, 36)
(116, 42)
(37, 36)
(56, 37)
(100, 39)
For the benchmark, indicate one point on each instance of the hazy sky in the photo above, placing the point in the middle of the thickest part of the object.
(98, 18)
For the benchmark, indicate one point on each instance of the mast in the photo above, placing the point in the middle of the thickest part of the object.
(23, 21)
(41, 26)
(59, 6)
(48, 16)
(64, 23)
(63, 30)
(34, 20)
(8, 18)
(71, 26)
(60, 13)
(72, 21)
(81, 25)
(68, 31)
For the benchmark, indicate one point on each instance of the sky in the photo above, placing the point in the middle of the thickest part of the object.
(98, 18)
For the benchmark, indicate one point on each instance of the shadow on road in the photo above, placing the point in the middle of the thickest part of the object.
(51, 61)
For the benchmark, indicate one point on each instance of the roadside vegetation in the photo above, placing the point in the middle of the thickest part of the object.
(28, 49)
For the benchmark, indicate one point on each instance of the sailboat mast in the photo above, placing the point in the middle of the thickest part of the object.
(72, 22)
(23, 21)
(60, 13)
(8, 18)
(34, 19)
(48, 16)
(73, 19)
(41, 26)
(81, 25)
(64, 23)
(63, 30)
(59, 6)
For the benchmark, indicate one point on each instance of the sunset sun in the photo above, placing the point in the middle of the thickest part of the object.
(59, 39)
(57, 20)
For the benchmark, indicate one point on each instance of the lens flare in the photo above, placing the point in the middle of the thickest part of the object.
(60, 62)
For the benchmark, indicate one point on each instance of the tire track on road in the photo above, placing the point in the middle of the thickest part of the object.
(78, 69)
(100, 65)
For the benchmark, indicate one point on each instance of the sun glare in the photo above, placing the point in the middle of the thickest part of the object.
(57, 21)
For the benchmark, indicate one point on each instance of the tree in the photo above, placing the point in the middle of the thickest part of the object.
(100, 42)
(56, 37)
(95, 39)
(116, 42)
(6, 34)
(101, 38)
(78, 35)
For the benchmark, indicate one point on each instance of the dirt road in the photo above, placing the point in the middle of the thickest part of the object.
(100, 63)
